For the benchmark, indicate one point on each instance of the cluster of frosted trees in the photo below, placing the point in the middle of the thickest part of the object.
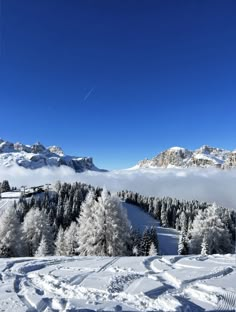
(100, 229)
(61, 206)
(204, 228)
(146, 243)
(76, 219)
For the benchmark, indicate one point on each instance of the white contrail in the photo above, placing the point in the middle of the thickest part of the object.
(88, 94)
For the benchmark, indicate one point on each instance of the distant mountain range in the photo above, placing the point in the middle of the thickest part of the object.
(178, 157)
(38, 156)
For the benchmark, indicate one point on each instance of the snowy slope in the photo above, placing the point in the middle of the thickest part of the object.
(181, 283)
(168, 238)
(179, 157)
(38, 156)
(5, 203)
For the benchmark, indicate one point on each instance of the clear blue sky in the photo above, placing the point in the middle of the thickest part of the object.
(118, 80)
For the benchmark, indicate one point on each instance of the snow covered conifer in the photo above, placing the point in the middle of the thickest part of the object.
(183, 248)
(204, 246)
(152, 250)
(154, 238)
(104, 229)
(145, 242)
(11, 244)
(164, 220)
(60, 243)
(43, 249)
(87, 226)
(36, 225)
(208, 223)
(5, 187)
(71, 239)
(114, 225)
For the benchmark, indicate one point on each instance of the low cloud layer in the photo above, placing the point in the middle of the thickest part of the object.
(212, 185)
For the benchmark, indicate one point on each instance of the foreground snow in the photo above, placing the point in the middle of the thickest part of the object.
(170, 283)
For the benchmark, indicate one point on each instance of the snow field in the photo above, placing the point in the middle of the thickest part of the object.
(118, 284)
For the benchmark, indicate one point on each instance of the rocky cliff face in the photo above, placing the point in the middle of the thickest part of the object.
(204, 157)
(38, 156)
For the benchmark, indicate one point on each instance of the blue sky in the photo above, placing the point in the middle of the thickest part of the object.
(118, 80)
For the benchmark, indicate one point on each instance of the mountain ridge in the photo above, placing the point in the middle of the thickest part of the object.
(180, 157)
(38, 156)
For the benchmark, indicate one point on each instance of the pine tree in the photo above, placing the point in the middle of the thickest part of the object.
(87, 229)
(36, 225)
(164, 220)
(60, 249)
(135, 242)
(11, 243)
(5, 187)
(146, 242)
(103, 226)
(152, 250)
(204, 246)
(183, 244)
(154, 238)
(208, 223)
(71, 240)
(43, 249)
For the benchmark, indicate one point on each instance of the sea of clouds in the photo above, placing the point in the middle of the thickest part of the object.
(211, 185)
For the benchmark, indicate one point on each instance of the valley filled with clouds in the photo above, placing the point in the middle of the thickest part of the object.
(211, 185)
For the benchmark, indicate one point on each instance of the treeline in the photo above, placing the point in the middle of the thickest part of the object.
(62, 205)
(75, 219)
(203, 227)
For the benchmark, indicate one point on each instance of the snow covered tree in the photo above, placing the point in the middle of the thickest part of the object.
(145, 242)
(135, 241)
(43, 249)
(204, 246)
(104, 229)
(208, 223)
(164, 220)
(71, 240)
(87, 226)
(183, 248)
(152, 250)
(154, 238)
(60, 249)
(34, 227)
(149, 237)
(11, 243)
(5, 187)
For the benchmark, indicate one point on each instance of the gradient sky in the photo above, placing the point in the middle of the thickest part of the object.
(118, 80)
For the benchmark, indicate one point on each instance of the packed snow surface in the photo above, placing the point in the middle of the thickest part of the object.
(170, 283)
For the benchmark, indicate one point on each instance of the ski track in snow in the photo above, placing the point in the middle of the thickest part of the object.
(167, 283)
(159, 283)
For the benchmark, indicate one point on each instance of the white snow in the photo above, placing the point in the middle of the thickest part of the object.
(118, 284)
(168, 238)
(177, 149)
(16, 194)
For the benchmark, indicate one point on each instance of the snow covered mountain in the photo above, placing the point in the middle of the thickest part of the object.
(204, 157)
(37, 156)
